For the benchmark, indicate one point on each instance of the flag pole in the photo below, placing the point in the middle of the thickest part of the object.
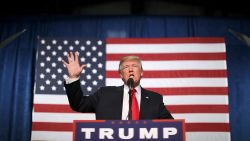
(11, 38)
(241, 37)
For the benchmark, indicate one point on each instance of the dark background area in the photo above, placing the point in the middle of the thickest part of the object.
(18, 58)
(237, 8)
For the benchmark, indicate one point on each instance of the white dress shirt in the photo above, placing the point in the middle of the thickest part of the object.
(125, 104)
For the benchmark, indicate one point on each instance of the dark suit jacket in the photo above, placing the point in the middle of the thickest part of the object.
(107, 103)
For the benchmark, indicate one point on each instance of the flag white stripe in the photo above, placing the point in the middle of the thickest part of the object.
(61, 117)
(201, 118)
(189, 117)
(50, 99)
(173, 82)
(175, 65)
(196, 99)
(51, 136)
(208, 136)
(168, 100)
(165, 48)
(190, 136)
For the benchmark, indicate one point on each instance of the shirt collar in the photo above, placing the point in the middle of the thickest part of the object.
(138, 88)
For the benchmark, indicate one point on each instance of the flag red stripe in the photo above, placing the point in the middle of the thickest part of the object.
(175, 74)
(197, 108)
(50, 126)
(202, 40)
(191, 91)
(172, 56)
(53, 108)
(213, 127)
(59, 108)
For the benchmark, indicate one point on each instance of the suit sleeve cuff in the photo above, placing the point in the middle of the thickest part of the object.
(71, 80)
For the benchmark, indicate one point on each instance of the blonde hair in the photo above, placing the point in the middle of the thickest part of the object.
(129, 58)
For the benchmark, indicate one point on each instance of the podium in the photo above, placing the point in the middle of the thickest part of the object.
(171, 130)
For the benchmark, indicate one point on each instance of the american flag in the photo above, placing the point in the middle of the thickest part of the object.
(190, 73)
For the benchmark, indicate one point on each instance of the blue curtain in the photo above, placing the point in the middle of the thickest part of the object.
(17, 59)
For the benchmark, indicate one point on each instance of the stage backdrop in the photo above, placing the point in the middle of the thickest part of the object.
(18, 63)
(190, 73)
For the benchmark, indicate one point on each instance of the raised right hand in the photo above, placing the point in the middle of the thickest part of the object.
(73, 66)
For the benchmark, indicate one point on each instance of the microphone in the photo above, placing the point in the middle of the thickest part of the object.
(130, 82)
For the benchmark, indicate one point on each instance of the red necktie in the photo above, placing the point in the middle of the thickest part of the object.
(135, 106)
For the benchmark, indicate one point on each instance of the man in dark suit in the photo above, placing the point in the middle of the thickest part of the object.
(110, 102)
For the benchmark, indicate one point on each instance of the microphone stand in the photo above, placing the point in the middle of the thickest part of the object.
(130, 83)
(130, 103)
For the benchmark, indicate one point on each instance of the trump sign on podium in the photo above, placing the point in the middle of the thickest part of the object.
(172, 130)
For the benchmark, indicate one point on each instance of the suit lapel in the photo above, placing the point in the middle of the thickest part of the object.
(118, 107)
(144, 107)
